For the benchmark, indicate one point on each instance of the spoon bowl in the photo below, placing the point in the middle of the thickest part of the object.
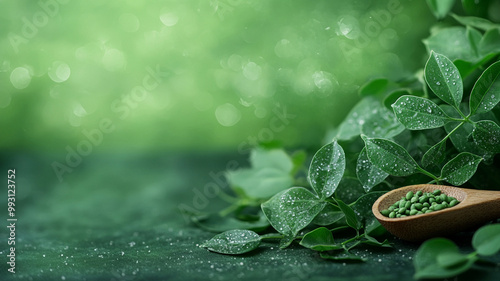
(475, 208)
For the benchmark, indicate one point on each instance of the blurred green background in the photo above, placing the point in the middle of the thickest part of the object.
(114, 113)
(221, 69)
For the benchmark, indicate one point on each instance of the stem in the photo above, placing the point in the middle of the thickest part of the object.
(339, 228)
(229, 209)
(352, 239)
(461, 114)
(421, 170)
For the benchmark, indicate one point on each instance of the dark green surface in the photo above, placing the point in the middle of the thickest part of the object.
(117, 218)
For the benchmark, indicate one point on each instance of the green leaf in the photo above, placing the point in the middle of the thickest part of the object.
(461, 168)
(320, 239)
(359, 114)
(327, 168)
(330, 214)
(440, 8)
(489, 42)
(390, 157)
(291, 210)
(382, 124)
(368, 174)
(443, 78)
(394, 96)
(486, 240)
(374, 242)
(363, 209)
(233, 242)
(218, 223)
(451, 259)
(476, 22)
(271, 173)
(435, 155)
(417, 113)
(260, 183)
(460, 47)
(350, 216)
(374, 87)
(486, 135)
(286, 241)
(486, 92)
(349, 190)
(271, 158)
(342, 256)
(474, 38)
(426, 259)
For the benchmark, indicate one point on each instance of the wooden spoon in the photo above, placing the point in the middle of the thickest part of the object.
(475, 208)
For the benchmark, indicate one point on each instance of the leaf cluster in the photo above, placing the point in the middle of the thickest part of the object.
(440, 125)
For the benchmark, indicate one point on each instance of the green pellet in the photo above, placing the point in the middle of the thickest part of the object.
(402, 203)
(417, 203)
(409, 195)
(407, 204)
(385, 212)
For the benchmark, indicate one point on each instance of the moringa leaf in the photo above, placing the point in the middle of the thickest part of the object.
(350, 215)
(476, 22)
(486, 135)
(291, 210)
(320, 239)
(451, 42)
(417, 113)
(233, 242)
(444, 79)
(440, 8)
(461, 168)
(327, 168)
(426, 259)
(486, 92)
(330, 214)
(368, 174)
(271, 172)
(390, 157)
(486, 240)
(435, 155)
